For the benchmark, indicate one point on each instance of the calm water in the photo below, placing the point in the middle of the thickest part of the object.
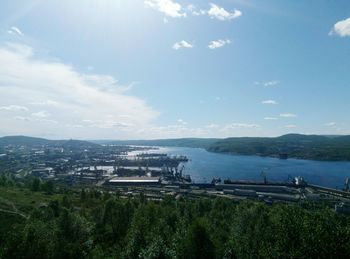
(203, 166)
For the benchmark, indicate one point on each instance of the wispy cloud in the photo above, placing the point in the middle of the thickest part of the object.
(15, 30)
(182, 122)
(270, 118)
(221, 14)
(41, 114)
(269, 102)
(14, 108)
(267, 83)
(271, 83)
(195, 11)
(330, 124)
(290, 126)
(288, 115)
(218, 43)
(35, 119)
(45, 103)
(212, 126)
(173, 9)
(341, 28)
(167, 7)
(26, 79)
(242, 125)
(182, 44)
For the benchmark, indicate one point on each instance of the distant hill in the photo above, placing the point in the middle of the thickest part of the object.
(312, 147)
(22, 140)
(181, 142)
(31, 141)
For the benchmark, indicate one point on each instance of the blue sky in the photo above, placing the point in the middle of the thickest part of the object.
(98, 69)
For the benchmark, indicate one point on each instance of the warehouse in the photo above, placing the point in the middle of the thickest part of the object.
(141, 181)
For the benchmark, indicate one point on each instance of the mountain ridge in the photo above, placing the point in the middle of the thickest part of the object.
(301, 146)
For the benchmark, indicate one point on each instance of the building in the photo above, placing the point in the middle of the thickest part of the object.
(138, 180)
(42, 172)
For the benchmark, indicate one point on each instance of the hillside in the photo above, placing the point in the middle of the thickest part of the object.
(33, 142)
(22, 140)
(181, 142)
(312, 147)
(95, 223)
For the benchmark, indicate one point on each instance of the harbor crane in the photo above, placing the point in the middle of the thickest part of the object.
(346, 184)
(263, 174)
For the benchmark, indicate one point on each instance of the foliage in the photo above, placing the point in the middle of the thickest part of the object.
(311, 147)
(74, 223)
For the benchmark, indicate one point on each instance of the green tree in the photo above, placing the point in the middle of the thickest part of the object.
(48, 187)
(198, 243)
(35, 186)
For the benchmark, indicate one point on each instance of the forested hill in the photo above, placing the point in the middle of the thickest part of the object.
(181, 142)
(312, 147)
(31, 141)
(38, 220)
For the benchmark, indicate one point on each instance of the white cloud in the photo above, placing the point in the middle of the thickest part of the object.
(45, 103)
(173, 9)
(270, 118)
(288, 115)
(341, 28)
(22, 118)
(35, 119)
(182, 44)
(218, 43)
(221, 14)
(41, 114)
(269, 102)
(271, 83)
(242, 125)
(195, 11)
(167, 7)
(15, 30)
(212, 126)
(26, 79)
(191, 7)
(175, 131)
(290, 126)
(181, 121)
(15, 108)
(331, 124)
(268, 83)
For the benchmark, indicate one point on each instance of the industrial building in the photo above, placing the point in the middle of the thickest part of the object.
(138, 180)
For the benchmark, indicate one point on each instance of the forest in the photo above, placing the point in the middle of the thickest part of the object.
(41, 220)
(309, 147)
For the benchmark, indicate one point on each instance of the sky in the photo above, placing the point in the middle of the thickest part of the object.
(115, 69)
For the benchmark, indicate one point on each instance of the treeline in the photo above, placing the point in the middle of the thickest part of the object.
(90, 223)
(310, 147)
